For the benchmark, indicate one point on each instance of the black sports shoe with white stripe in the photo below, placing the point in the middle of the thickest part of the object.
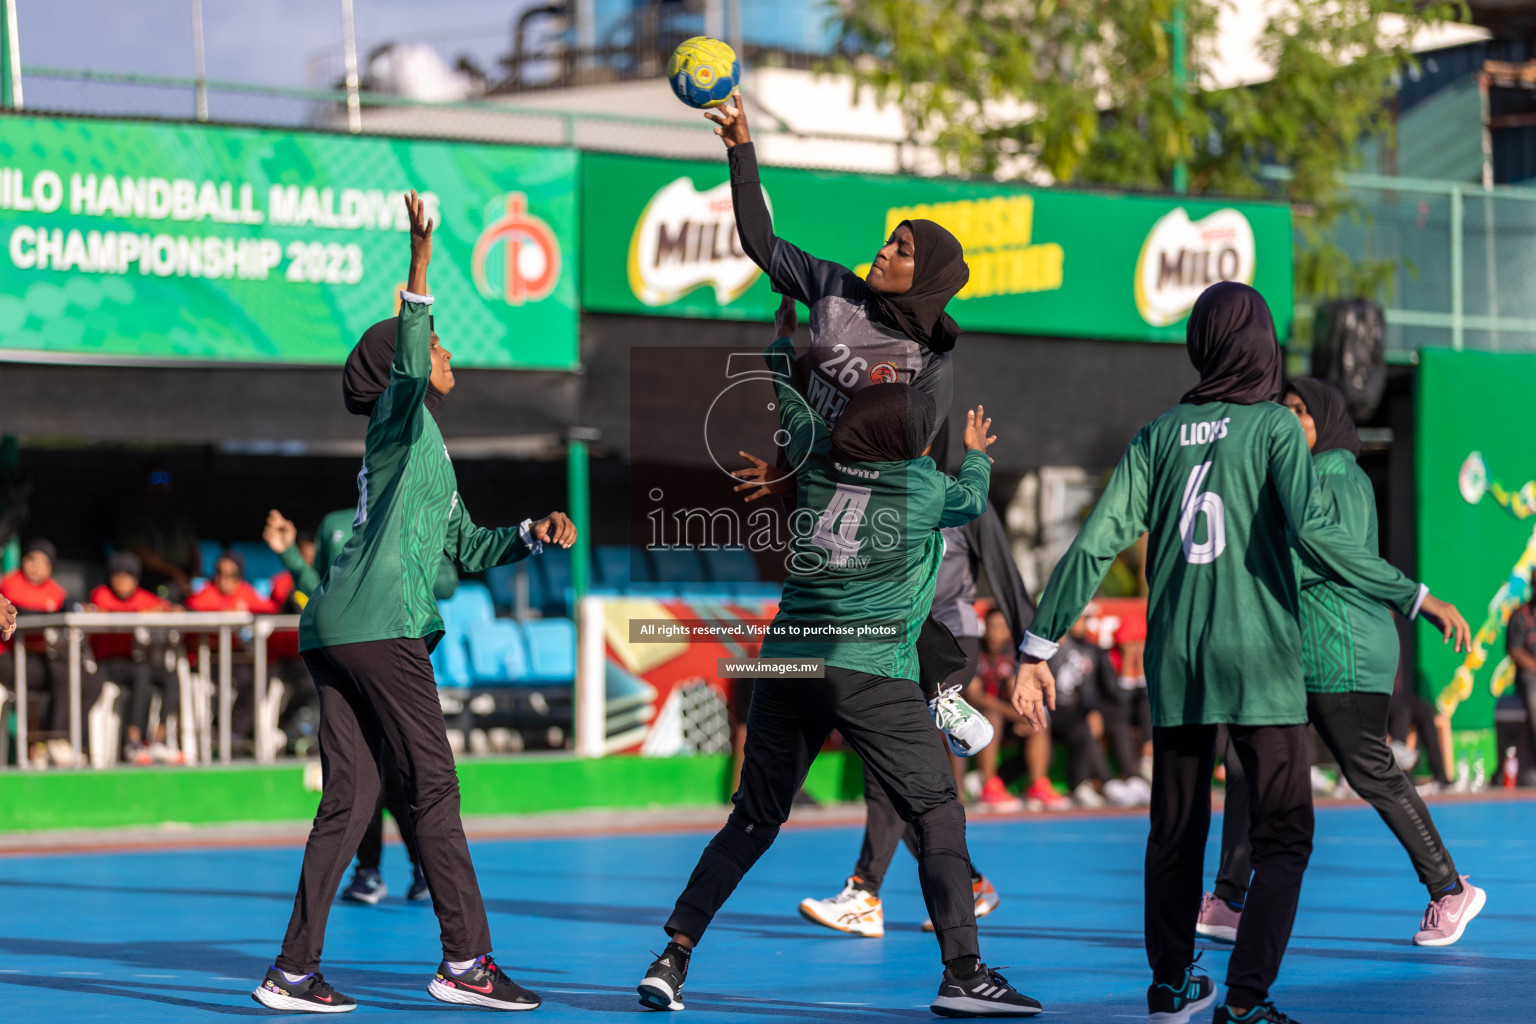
(482, 983)
(1176, 1004)
(985, 994)
(310, 994)
(662, 986)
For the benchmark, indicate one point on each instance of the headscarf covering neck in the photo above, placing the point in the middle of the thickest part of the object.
(884, 423)
(939, 272)
(1330, 415)
(366, 373)
(1231, 341)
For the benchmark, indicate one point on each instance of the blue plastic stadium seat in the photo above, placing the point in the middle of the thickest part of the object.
(678, 566)
(496, 652)
(210, 550)
(616, 565)
(553, 568)
(450, 662)
(502, 583)
(261, 563)
(470, 604)
(551, 648)
(731, 565)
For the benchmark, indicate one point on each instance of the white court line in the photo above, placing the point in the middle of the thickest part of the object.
(154, 975)
(83, 974)
(9, 970)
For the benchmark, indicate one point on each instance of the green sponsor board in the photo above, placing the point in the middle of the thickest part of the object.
(133, 241)
(1475, 474)
(658, 236)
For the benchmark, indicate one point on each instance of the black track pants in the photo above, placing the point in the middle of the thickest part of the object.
(1354, 727)
(375, 696)
(1276, 763)
(371, 850)
(887, 723)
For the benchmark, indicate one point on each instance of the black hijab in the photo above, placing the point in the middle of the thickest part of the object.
(1231, 341)
(884, 423)
(1325, 404)
(366, 373)
(938, 273)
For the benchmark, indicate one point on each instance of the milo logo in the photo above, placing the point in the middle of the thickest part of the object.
(1182, 258)
(686, 239)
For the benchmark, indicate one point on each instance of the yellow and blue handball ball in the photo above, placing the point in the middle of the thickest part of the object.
(704, 72)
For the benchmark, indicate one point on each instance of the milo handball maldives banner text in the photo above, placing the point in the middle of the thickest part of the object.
(658, 236)
(128, 241)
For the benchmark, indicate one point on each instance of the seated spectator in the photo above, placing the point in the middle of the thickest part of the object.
(989, 693)
(229, 592)
(1082, 669)
(161, 534)
(32, 588)
(136, 663)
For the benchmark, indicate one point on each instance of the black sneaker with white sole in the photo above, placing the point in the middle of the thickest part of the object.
(310, 994)
(1176, 1004)
(482, 983)
(662, 986)
(985, 994)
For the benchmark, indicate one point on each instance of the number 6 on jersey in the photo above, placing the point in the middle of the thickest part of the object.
(1197, 501)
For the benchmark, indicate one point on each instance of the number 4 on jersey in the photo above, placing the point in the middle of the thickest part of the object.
(837, 528)
(1195, 502)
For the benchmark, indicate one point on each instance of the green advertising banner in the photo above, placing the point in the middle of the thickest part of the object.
(1474, 470)
(131, 241)
(658, 236)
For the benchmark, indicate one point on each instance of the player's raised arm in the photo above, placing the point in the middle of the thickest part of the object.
(965, 496)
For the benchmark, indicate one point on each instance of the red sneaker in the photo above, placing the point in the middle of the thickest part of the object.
(1042, 796)
(995, 796)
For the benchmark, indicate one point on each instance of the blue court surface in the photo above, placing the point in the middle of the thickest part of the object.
(183, 935)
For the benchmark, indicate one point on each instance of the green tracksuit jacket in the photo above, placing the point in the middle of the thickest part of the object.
(1223, 491)
(1348, 641)
(409, 517)
(867, 546)
(335, 530)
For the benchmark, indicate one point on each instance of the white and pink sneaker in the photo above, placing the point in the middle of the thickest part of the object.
(1217, 920)
(1446, 918)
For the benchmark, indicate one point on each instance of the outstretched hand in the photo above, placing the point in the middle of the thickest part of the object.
(7, 619)
(1444, 617)
(785, 319)
(279, 532)
(1034, 690)
(757, 482)
(555, 528)
(976, 426)
(421, 242)
(731, 122)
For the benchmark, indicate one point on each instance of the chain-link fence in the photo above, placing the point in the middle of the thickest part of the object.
(1463, 261)
(518, 120)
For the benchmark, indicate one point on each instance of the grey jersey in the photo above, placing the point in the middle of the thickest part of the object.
(955, 592)
(848, 351)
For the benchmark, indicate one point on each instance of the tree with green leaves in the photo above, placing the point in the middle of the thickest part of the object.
(1084, 92)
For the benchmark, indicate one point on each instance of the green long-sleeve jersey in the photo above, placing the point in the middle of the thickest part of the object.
(1222, 491)
(409, 516)
(867, 545)
(1348, 641)
(334, 532)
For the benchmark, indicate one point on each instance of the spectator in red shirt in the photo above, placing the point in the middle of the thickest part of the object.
(229, 592)
(32, 588)
(133, 661)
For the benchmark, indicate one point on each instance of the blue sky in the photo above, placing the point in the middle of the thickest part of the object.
(268, 41)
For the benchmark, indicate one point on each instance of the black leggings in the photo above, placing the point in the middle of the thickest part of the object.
(1353, 725)
(1085, 758)
(1275, 760)
(887, 723)
(1412, 711)
(374, 696)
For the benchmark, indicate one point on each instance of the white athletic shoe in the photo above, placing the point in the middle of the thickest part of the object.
(967, 729)
(1118, 793)
(1141, 788)
(854, 911)
(1086, 796)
